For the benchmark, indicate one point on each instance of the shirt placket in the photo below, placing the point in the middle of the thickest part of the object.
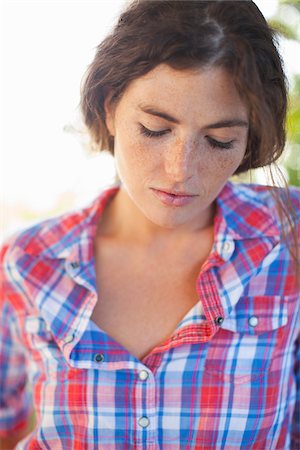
(146, 419)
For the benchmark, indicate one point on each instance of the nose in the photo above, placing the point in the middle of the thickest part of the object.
(180, 160)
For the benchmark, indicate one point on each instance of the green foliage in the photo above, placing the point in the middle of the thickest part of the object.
(284, 29)
(294, 3)
(287, 22)
(293, 118)
(292, 161)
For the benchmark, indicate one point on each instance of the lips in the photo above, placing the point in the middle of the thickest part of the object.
(185, 194)
(173, 199)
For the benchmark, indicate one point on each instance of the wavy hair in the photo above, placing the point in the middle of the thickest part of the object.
(187, 34)
(191, 34)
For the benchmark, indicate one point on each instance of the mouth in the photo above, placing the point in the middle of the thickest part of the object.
(174, 199)
(176, 193)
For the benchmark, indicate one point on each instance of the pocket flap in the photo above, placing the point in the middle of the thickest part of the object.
(257, 315)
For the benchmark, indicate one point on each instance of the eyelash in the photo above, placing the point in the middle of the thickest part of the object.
(217, 144)
(212, 142)
(152, 134)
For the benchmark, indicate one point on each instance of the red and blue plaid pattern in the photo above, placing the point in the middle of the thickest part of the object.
(228, 377)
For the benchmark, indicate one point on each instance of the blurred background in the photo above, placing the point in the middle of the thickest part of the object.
(46, 46)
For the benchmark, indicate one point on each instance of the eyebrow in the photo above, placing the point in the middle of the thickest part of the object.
(154, 112)
(228, 123)
(221, 124)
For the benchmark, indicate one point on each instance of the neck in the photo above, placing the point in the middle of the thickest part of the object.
(123, 220)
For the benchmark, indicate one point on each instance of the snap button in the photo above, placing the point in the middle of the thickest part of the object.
(253, 321)
(99, 357)
(228, 246)
(219, 320)
(144, 422)
(143, 375)
(69, 338)
(75, 265)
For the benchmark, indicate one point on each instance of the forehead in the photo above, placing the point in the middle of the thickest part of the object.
(202, 91)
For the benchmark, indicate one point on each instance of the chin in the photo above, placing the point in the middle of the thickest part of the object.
(170, 223)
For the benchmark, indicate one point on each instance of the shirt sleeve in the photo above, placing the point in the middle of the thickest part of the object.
(295, 434)
(15, 395)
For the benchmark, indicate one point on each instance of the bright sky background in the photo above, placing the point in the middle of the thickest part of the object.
(46, 47)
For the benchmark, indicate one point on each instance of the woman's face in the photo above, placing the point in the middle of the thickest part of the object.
(178, 131)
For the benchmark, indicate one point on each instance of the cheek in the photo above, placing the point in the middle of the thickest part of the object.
(131, 155)
(218, 166)
(228, 161)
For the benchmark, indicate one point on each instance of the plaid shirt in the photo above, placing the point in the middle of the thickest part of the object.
(227, 378)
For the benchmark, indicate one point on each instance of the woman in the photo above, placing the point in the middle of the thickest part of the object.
(166, 314)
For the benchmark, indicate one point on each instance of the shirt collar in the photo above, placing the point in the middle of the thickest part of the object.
(246, 212)
(69, 236)
(241, 214)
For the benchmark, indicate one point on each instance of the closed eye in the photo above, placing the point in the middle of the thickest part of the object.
(220, 144)
(212, 142)
(151, 133)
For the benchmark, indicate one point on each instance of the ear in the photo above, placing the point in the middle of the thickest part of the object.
(109, 109)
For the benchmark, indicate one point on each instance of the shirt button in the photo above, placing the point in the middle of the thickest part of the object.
(69, 338)
(74, 265)
(143, 375)
(253, 321)
(219, 320)
(144, 422)
(99, 357)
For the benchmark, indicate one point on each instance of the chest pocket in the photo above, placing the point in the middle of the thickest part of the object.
(249, 340)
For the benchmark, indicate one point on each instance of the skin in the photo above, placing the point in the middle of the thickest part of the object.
(184, 157)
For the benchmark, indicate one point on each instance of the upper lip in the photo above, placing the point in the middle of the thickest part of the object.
(176, 192)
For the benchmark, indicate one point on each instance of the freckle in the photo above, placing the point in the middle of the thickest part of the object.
(226, 161)
(178, 141)
(223, 163)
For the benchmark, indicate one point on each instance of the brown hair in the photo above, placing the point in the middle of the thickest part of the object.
(190, 34)
(187, 34)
